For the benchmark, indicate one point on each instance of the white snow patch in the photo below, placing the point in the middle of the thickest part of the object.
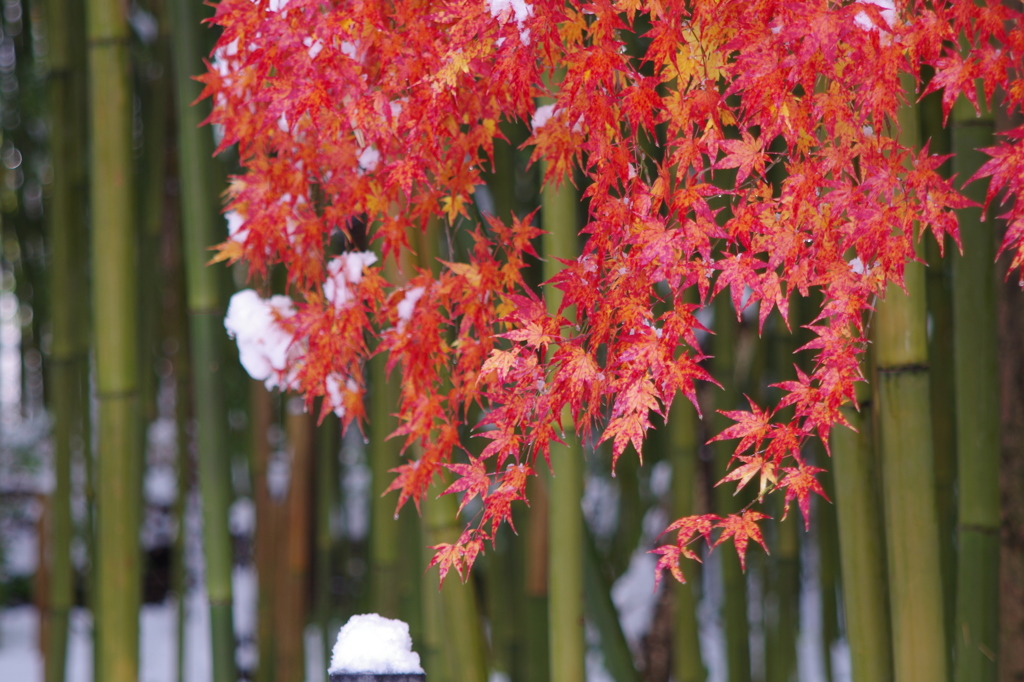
(236, 232)
(334, 392)
(263, 344)
(368, 159)
(888, 14)
(314, 47)
(407, 305)
(542, 116)
(370, 643)
(508, 10)
(344, 270)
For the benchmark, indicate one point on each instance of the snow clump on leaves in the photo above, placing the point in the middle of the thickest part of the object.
(344, 270)
(263, 343)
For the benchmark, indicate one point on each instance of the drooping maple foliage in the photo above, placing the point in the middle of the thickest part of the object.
(383, 114)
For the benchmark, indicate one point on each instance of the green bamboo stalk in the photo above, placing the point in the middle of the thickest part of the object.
(155, 94)
(66, 235)
(507, 607)
(782, 567)
(432, 654)
(535, 582)
(975, 353)
(118, 498)
(385, 553)
(502, 605)
(201, 230)
(326, 501)
(904, 420)
(940, 353)
(268, 528)
(687, 663)
(463, 643)
(292, 591)
(629, 528)
(737, 629)
(565, 551)
(863, 557)
(782, 622)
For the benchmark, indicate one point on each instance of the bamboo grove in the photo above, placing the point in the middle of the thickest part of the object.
(726, 291)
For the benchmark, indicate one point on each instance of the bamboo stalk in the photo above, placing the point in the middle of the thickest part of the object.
(975, 354)
(565, 549)
(782, 567)
(432, 653)
(118, 498)
(66, 237)
(687, 662)
(501, 603)
(507, 607)
(206, 330)
(463, 644)
(863, 557)
(943, 390)
(292, 591)
(904, 421)
(535, 582)
(268, 528)
(384, 530)
(326, 500)
(737, 628)
(155, 99)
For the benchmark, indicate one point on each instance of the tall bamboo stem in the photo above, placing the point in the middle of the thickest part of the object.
(200, 226)
(118, 497)
(326, 499)
(975, 354)
(904, 419)
(737, 628)
(565, 549)
(687, 663)
(463, 644)
(939, 279)
(67, 238)
(292, 590)
(858, 509)
(383, 453)
(269, 514)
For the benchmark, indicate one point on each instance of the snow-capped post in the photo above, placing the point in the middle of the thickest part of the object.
(371, 648)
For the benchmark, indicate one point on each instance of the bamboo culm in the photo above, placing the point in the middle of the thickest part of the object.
(200, 229)
(976, 372)
(68, 355)
(737, 628)
(904, 420)
(114, 292)
(565, 519)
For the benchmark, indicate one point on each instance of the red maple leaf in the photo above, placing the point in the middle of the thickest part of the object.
(473, 480)
(799, 484)
(741, 528)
